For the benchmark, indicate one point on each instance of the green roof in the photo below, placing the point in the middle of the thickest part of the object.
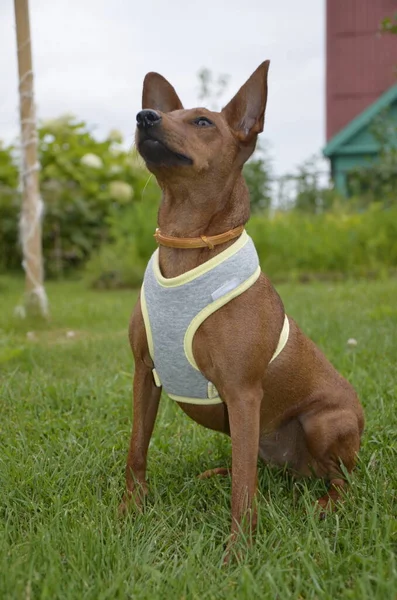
(361, 121)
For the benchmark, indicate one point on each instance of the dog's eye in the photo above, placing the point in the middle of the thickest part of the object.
(203, 122)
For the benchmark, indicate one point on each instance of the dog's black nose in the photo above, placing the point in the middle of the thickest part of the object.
(147, 118)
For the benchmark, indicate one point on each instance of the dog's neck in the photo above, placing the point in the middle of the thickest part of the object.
(186, 214)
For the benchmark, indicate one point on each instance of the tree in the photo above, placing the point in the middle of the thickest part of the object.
(258, 174)
(211, 88)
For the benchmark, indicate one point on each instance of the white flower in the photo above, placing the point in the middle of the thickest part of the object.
(115, 149)
(70, 334)
(91, 160)
(120, 191)
(351, 342)
(115, 136)
(114, 169)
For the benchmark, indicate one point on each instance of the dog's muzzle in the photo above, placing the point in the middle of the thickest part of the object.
(147, 118)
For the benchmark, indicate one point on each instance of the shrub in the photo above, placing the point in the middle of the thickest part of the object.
(82, 180)
(122, 261)
(290, 244)
(337, 243)
(378, 179)
(9, 203)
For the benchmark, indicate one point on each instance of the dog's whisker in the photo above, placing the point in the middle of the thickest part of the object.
(146, 184)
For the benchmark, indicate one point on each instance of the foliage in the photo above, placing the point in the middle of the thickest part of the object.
(65, 424)
(211, 87)
(122, 261)
(311, 194)
(377, 181)
(258, 174)
(101, 207)
(82, 180)
(9, 205)
(290, 244)
(88, 187)
(8, 169)
(333, 244)
(389, 25)
(307, 190)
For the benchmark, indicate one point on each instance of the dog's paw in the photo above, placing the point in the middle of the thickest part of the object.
(133, 501)
(218, 471)
(328, 503)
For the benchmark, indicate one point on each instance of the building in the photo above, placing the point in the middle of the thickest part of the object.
(361, 81)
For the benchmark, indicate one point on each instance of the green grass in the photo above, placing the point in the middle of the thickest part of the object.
(65, 414)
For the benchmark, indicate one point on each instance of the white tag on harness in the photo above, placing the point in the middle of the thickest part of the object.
(225, 288)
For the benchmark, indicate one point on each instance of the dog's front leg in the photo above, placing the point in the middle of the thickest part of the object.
(244, 418)
(146, 402)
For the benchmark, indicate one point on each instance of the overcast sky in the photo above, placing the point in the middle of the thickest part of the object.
(90, 57)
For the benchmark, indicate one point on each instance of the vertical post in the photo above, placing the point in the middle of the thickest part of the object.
(32, 204)
(340, 180)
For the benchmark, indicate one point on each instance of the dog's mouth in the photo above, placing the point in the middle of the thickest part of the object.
(155, 152)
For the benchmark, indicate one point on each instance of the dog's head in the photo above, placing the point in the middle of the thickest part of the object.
(175, 142)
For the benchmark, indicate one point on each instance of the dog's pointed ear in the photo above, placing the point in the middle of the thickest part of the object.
(245, 113)
(159, 94)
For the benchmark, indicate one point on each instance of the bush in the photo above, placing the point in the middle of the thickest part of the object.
(101, 209)
(82, 180)
(336, 243)
(86, 184)
(290, 244)
(258, 173)
(122, 261)
(9, 204)
(378, 179)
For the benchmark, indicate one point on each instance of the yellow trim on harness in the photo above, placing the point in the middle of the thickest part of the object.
(198, 401)
(156, 378)
(213, 397)
(283, 339)
(209, 310)
(201, 269)
(146, 321)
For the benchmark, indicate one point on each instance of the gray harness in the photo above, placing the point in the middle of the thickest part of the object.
(174, 308)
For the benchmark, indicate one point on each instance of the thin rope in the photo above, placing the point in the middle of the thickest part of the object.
(30, 221)
(22, 46)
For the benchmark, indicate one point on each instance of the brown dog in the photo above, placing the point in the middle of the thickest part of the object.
(297, 410)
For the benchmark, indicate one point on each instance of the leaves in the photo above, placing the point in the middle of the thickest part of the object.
(258, 174)
(82, 180)
(377, 181)
(389, 25)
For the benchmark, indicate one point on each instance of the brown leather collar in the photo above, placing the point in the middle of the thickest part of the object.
(198, 242)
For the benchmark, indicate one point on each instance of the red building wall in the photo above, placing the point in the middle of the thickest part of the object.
(361, 63)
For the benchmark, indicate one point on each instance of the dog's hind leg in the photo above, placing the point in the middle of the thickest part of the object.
(333, 439)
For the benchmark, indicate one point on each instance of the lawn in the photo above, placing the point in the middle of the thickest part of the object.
(65, 417)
